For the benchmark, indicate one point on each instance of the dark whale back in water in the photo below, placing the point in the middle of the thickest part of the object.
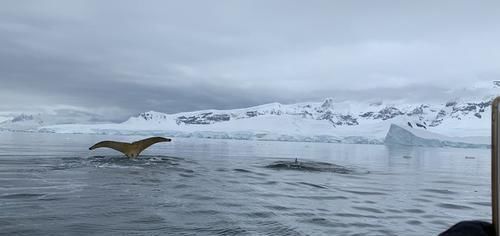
(309, 166)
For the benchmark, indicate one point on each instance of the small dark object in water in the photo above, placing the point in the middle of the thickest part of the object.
(470, 157)
(407, 157)
(478, 228)
(309, 166)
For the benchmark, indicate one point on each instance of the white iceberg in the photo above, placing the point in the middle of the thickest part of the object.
(402, 135)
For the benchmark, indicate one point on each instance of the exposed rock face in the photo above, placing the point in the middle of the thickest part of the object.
(150, 116)
(388, 113)
(203, 119)
(496, 83)
(337, 119)
(22, 117)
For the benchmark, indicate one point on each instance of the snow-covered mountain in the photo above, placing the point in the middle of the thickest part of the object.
(330, 120)
(326, 121)
(32, 122)
(453, 117)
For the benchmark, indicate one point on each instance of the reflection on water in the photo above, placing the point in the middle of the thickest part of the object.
(51, 184)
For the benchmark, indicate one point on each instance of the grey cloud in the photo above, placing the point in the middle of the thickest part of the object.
(127, 57)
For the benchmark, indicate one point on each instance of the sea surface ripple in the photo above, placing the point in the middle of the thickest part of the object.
(52, 185)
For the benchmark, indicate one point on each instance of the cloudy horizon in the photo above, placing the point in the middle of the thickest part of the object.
(118, 58)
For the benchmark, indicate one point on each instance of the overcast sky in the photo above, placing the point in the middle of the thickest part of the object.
(119, 58)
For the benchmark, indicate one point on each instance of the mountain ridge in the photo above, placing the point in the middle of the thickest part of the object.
(330, 120)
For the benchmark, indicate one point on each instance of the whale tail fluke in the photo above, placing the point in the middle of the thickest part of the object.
(118, 146)
(145, 143)
(131, 150)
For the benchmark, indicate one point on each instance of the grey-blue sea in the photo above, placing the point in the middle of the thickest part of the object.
(51, 184)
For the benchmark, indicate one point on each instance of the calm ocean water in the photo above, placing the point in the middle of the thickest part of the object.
(51, 184)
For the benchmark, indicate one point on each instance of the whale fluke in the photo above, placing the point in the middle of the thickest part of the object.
(131, 150)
